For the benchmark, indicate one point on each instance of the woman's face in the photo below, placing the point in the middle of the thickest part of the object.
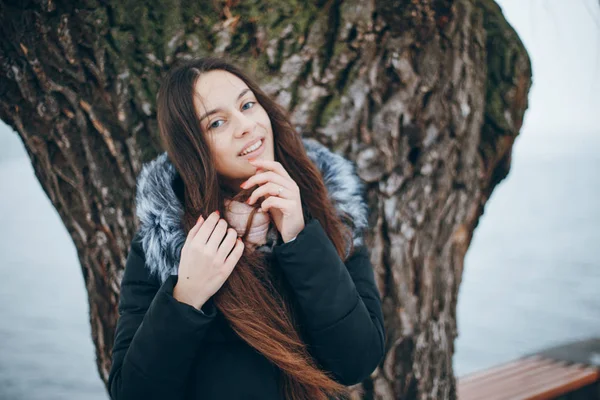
(232, 120)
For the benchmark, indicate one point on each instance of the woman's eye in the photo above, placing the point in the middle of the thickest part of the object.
(251, 103)
(214, 124)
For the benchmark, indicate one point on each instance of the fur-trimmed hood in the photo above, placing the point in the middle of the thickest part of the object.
(160, 211)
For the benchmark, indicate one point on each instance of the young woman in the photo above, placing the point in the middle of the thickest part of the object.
(248, 277)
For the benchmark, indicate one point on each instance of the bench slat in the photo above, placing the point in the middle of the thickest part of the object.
(501, 370)
(507, 388)
(524, 388)
(528, 378)
(508, 375)
(563, 386)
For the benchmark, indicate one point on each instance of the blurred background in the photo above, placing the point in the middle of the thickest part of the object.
(532, 273)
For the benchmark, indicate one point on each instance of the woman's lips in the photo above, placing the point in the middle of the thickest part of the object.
(256, 152)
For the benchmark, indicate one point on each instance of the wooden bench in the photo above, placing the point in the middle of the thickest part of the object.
(546, 375)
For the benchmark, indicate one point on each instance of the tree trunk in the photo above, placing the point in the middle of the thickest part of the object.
(427, 96)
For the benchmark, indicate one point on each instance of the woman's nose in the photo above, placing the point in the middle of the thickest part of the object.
(245, 124)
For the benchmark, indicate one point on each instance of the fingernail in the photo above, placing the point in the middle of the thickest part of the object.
(200, 219)
(218, 213)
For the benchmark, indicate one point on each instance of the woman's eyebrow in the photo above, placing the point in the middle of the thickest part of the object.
(216, 110)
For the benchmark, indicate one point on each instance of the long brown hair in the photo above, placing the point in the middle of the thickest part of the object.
(254, 299)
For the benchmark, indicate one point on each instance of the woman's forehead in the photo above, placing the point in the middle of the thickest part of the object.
(218, 87)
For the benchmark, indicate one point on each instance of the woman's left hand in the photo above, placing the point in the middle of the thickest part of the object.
(282, 197)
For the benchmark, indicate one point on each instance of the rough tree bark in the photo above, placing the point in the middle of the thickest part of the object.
(427, 96)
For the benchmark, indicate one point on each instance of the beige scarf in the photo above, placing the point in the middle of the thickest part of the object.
(237, 214)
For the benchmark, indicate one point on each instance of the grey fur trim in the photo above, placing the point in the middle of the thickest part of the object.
(160, 211)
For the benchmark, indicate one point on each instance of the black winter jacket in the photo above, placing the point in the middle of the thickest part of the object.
(164, 349)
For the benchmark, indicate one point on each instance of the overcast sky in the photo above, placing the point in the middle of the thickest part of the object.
(563, 41)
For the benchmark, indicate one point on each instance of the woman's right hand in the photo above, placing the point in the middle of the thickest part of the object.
(205, 262)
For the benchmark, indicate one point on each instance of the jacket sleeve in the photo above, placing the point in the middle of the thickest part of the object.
(156, 337)
(339, 303)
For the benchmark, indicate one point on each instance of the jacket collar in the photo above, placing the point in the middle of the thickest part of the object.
(160, 211)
